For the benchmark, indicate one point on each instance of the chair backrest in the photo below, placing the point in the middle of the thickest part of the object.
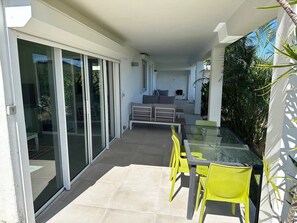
(206, 123)
(173, 130)
(176, 145)
(228, 183)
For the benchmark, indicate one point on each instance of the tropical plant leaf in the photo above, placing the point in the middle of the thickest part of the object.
(267, 87)
(277, 6)
(274, 66)
(293, 160)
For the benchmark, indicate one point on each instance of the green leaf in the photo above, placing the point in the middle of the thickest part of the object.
(293, 160)
(277, 6)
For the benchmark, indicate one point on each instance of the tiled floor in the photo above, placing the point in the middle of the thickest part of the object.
(130, 183)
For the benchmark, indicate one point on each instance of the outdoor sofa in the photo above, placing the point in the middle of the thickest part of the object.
(157, 110)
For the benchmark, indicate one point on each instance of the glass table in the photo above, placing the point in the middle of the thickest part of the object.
(210, 134)
(218, 146)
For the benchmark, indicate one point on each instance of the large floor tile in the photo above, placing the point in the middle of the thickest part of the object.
(98, 195)
(136, 197)
(115, 175)
(96, 171)
(177, 207)
(76, 189)
(117, 158)
(170, 218)
(123, 216)
(143, 174)
(79, 213)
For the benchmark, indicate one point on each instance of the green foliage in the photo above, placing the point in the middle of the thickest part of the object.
(243, 109)
(293, 2)
(204, 99)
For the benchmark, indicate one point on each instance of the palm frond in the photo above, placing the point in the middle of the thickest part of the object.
(277, 6)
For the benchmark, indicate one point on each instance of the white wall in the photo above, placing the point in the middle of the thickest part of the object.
(281, 133)
(131, 78)
(172, 81)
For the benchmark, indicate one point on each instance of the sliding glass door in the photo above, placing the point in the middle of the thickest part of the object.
(86, 108)
(110, 99)
(40, 110)
(97, 118)
(74, 91)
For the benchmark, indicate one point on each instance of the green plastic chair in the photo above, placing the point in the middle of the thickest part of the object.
(182, 148)
(227, 184)
(180, 165)
(206, 123)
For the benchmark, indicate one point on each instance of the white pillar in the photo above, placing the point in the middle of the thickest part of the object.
(191, 79)
(281, 131)
(216, 84)
(198, 86)
(16, 203)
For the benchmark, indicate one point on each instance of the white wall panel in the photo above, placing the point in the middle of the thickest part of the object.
(172, 81)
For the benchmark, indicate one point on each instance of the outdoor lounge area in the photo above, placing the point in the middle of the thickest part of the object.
(130, 183)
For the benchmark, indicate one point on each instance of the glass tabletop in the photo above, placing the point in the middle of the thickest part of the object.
(229, 155)
(211, 135)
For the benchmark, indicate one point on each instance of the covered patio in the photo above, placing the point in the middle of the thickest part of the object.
(130, 183)
(69, 71)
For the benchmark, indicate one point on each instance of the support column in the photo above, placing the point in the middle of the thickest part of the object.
(281, 133)
(16, 203)
(216, 84)
(198, 86)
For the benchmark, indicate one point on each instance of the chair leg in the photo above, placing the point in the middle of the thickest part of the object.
(171, 158)
(172, 184)
(172, 168)
(247, 212)
(198, 196)
(202, 209)
(233, 209)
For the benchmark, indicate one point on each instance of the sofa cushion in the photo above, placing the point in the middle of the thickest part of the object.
(162, 92)
(150, 99)
(166, 99)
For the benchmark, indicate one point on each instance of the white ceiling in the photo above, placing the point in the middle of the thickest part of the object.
(179, 29)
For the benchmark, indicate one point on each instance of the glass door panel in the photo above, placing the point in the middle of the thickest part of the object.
(75, 111)
(39, 98)
(96, 105)
(110, 99)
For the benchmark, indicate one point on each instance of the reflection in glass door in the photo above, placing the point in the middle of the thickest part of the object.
(110, 99)
(96, 105)
(39, 98)
(75, 111)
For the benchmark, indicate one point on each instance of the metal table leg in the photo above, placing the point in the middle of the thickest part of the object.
(192, 192)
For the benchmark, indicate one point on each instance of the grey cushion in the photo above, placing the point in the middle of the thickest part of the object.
(156, 92)
(150, 99)
(166, 99)
(163, 92)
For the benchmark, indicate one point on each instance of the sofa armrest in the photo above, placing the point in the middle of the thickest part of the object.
(164, 112)
(141, 112)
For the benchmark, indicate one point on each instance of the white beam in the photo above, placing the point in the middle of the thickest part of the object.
(17, 13)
